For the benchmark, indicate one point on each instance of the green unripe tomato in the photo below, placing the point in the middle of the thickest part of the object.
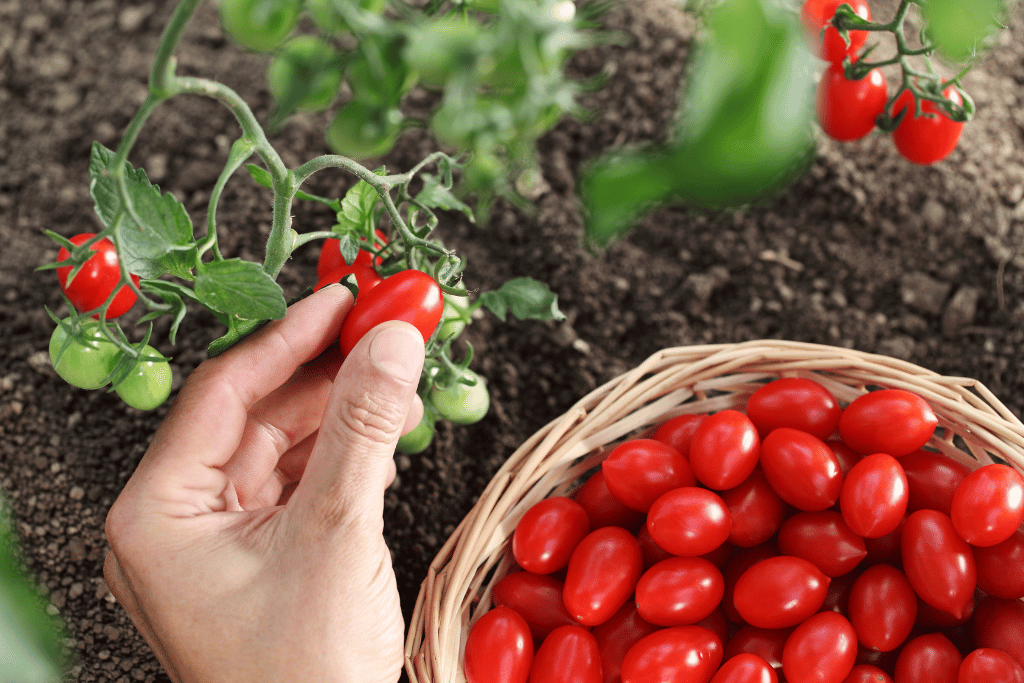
(461, 403)
(149, 383)
(327, 18)
(88, 361)
(452, 324)
(420, 437)
(439, 49)
(362, 131)
(259, 25)
(307, 69)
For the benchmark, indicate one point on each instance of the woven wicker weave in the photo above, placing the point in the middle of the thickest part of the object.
(973, 427)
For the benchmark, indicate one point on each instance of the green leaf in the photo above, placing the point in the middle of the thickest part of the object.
(349, 247)
(160, 240)
(958, 27)
(525, 298)
(239, 288)
(260, 175)
(436, 195)
(30, 647)
(174, 295)
(357, 209)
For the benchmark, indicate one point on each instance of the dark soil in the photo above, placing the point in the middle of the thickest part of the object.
(865, 251)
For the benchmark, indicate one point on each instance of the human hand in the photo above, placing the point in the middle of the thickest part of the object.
(247, 546)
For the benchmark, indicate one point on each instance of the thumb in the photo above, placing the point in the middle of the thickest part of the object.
(351, 462)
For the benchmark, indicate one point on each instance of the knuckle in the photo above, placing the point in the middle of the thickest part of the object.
(373, 417)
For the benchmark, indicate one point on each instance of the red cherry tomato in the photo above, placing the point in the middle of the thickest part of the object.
(780, 592)
(408, 295)
(756, 511)
(679, 591)
(640, 470)
(824, 539)
(680, 654)
(689, 521)
(932, 479)
(677, 432)
(999, 623)
(602, 574)
(653, 553)
(874, 496)
(618, 634)
(837, 598)
(548, 533)
(828, 44)
(938, 563)
(847, 109)
(716, 623)
(890, 421)
(794, 402)
(933, 619)
(927, 138)
(931, 658)
(331, 258)
(846, 456)
(885, 548)
(536, 598)
(602, 507)
(498, 648)
(568, 655)
(999, 567)
(987, 665)
(882, 607)
(822, 649)
(745, 668)
(734, 568)
(988, 506)
(366, 278)
(867, 673)
(765, 643)
(801, 468)
(724, 450)
(96, 279)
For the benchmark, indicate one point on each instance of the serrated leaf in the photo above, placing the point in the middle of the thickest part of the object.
(525, 298)
(357, 209)
(239, 288)
(436, 196)
(958, 27)
(349, 248)
(161, 241)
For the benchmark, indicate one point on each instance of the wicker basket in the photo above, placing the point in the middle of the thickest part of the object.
(973, 426)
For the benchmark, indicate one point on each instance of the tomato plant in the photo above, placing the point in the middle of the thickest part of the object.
(82, 355)
(259, 25)
(148, 384)
(305, 74)
(780, 592)
(988, 505)
(465, 401)
(892, 421)
(822, 649)
(96, 279)
(794, 402)
(548, 533)
(847, 109)
(638, 471)
(418, 439)
(724, 450)
(828, 44)
(929, 135)
(498, 648)
(569, 654)
(602, 574)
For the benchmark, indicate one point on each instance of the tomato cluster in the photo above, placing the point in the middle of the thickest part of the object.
(796, 541)
(848, 109)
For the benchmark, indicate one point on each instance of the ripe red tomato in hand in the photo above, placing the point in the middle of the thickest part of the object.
(931, 658)
(548, 533)
(932, 479)
(331, 258)
(96, 279)
(987, 665)
(938, 563)
(822, 649)
(366, 278)
(890, 421)
(498, 648)
(874, 496)
(780, 592)
(745, 668)
(724, 450)
(829, 45)
(999, 567)
(638, 471)
(679, 654)
(602, 575)
(794, 402)
(847, 109)
(677, 432)
(536, 598)
(568, 655)
(824, 539)
(927, 138)
(988, 505)
(408, 295)
(801, 468)
(882, 607)
(689, 521)
(756, 511)
(602, 507)
(615, 637)
(679, 591)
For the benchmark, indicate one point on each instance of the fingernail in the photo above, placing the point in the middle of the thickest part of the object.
(398, 351)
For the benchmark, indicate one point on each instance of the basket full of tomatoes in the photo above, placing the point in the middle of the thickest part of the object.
(764, 511)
